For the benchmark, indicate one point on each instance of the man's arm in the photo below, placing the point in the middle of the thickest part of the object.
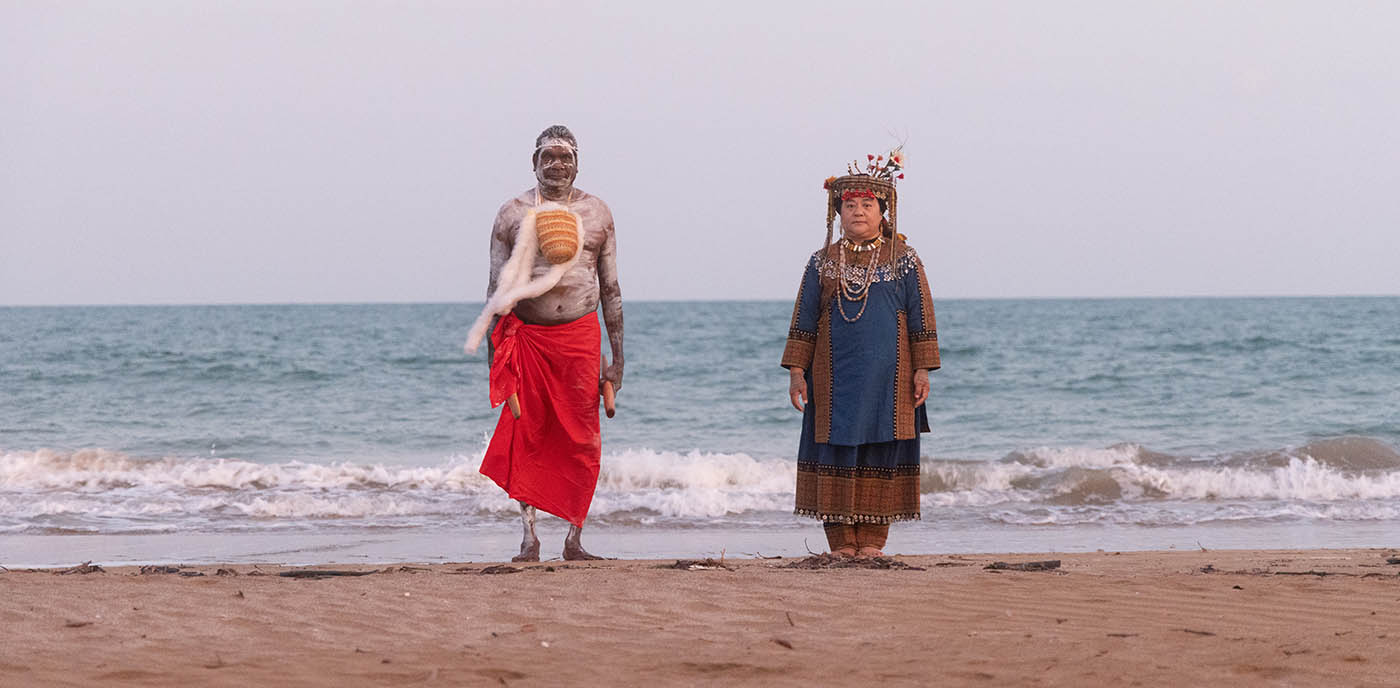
(610, 295)
(502, 241)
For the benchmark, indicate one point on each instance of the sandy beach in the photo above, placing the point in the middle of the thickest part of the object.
(1313, 617)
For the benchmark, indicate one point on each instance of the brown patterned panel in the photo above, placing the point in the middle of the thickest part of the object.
(925, 339)
(798, 352)
(872, 535)
(840, 535)
(903, 382)
(857, 495)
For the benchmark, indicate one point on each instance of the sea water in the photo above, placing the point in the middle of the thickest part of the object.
(314, 433)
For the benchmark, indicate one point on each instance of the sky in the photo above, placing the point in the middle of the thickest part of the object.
(289, 152)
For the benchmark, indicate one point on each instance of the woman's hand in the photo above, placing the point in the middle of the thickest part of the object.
(797, 387)
(920, 386)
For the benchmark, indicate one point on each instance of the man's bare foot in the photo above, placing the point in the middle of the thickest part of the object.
(844, 552)
(573, 546)
(529, 544)
(529, 551)
(870, 553)
(574, 551)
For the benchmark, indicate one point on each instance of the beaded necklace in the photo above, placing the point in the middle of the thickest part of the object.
(856, 291)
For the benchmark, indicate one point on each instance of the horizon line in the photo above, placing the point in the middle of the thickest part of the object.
(183, 304)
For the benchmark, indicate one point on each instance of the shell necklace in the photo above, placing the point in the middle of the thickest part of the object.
(856, 291)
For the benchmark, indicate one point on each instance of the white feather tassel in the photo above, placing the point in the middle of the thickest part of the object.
(514, 283)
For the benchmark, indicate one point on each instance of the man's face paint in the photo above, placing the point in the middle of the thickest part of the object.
(556, 166)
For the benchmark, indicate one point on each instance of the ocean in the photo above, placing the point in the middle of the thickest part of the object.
(343, 433)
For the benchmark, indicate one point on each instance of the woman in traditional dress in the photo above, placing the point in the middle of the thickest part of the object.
(859, 349)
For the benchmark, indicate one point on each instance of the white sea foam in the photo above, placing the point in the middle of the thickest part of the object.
(634, 485)
(111, 491)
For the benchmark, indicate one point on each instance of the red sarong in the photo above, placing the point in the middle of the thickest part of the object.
(549, 457)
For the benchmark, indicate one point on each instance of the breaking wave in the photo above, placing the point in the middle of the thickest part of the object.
(101, 491)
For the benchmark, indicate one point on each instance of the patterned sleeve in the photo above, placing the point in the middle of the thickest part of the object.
(923, 332)
(802, 333)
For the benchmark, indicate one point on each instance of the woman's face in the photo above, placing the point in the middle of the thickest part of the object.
(860, 218)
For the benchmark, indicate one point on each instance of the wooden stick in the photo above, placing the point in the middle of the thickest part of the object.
(609, 394)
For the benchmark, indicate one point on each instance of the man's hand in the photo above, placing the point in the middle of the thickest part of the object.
(797, 387)
(920, 386)
(613, 374)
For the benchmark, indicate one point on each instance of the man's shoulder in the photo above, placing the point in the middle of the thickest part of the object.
(593, 204)
(581, 196)
(516, 207)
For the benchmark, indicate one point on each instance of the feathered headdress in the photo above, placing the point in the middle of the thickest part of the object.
(877, 180)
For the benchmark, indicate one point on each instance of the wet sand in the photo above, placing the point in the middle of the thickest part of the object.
(1250, 618)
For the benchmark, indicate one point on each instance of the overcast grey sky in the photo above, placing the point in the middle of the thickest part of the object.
(213, 152)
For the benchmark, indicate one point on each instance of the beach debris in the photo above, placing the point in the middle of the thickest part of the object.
(1048, 565)
(83, 568)
(239, 595)
(153, 569)
(832, 561)
(1195, 632)
(1310, 572)
(320, 573)
(226, 572)
(191, 574)
(1121, 635)
(789, 617)
(697, 565)
(1209, 568)
(461, 570)
(1237, 588)
(407, 569)
(76, 624)
(759, 555)
(1393, 560)
(785, 643)
(500, 568)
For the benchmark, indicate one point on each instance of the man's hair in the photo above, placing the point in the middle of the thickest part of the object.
(557, 131)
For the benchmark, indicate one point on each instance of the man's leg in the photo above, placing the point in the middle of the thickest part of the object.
(530, 546)
(573, 549)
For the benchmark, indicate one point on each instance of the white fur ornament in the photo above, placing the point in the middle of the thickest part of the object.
(516, 282)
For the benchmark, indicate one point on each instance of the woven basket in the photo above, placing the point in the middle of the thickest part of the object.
(558, 234)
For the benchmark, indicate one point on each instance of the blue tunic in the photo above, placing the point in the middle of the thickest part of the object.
(858, 456)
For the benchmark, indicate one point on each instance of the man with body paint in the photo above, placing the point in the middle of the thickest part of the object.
(544, 345)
